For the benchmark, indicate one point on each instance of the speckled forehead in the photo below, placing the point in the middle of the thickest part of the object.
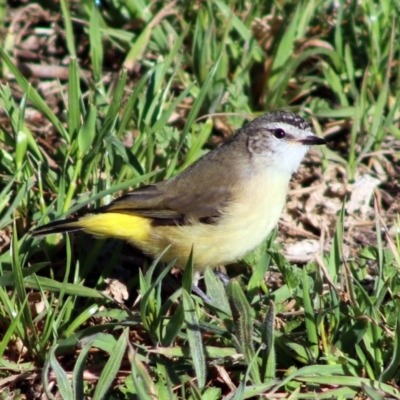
(286, 118)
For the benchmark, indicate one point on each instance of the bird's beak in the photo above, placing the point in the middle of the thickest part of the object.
(312, 140)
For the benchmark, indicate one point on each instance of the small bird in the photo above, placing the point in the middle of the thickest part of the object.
(224, 205)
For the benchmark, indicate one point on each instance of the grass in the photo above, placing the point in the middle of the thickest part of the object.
(167, 82)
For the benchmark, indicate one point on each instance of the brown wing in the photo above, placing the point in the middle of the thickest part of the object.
(201, 192)
(173, 204)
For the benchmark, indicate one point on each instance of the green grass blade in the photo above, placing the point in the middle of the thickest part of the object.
(87, 131)
(114, 108)
(127, 114)
(174, 324)
(21, 138)
(81, 319)
(74, 98)
(187, 278)
(142, 380)
(393, 366)
(69, 31)
(112, 367)
(243, 320)
(61, 376)
(77, 375)
(285, 48)
(268, 355)
(195, 339)
(96, 47)
(311, 326)
(216, 291)
(37, 282)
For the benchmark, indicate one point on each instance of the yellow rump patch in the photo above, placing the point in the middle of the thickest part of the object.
(132, 228)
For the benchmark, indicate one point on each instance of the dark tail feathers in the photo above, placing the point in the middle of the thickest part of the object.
(65, 225)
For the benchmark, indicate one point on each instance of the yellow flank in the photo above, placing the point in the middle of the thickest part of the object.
(132, 228)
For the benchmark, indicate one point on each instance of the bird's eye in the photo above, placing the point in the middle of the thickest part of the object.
(279, 133)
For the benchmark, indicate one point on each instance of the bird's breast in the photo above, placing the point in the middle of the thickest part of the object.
(256, 210)
(252, 213)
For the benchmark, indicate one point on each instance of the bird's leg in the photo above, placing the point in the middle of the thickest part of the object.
(223, 277)
(196, 289)
(201, 294)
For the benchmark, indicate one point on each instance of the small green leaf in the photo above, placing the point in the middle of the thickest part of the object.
(112, 367)
(96, 46)
(268, 367)
(243, 319)
(311, 326)
(74, 114)
(87, 132)
(63, 382)
(195, 339)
